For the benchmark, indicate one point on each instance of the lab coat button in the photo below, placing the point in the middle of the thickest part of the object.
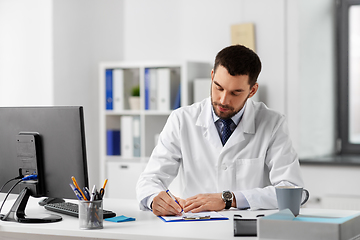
(224, 167)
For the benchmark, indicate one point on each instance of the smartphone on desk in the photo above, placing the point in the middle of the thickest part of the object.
(245, 226)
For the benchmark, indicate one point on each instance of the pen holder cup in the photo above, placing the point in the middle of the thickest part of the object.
(91, 214)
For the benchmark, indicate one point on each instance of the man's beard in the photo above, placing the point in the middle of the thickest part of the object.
(221, 115)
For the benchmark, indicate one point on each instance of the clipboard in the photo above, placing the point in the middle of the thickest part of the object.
(202, 216)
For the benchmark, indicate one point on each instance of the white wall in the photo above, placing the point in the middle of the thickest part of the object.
(50, 53)
(294, 39)
(85, 33)
(197, 30)
(26, 63)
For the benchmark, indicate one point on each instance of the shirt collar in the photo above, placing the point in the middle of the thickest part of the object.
(236, 118)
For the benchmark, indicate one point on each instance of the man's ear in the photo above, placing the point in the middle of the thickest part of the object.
(253, 90)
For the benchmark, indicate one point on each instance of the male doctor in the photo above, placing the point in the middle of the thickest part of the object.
(229, 150)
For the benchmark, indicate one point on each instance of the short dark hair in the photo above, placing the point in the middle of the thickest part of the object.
(239, 60)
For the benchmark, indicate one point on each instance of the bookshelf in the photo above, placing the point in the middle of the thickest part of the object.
(164, 86)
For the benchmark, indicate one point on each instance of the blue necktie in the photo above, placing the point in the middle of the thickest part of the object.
(226, 132)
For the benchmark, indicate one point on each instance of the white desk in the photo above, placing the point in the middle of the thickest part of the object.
(146, 226)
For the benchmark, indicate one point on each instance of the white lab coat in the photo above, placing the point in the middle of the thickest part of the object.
(257, 156)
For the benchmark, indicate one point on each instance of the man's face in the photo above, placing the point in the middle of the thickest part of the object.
(229, 93)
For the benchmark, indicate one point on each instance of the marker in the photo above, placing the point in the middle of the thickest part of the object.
(93, 193)
(86, 193)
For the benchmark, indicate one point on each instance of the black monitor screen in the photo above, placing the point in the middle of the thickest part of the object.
(61, 137)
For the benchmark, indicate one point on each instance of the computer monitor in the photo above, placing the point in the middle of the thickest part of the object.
(47, 141)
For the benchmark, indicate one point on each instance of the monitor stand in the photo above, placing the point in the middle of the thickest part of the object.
(17, 211)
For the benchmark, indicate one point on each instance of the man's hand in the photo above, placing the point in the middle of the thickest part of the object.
(206, 202)
(164, 205)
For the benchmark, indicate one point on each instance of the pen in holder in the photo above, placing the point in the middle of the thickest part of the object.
(91, 214)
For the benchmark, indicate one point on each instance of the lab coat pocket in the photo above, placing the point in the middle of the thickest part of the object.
(249, 173)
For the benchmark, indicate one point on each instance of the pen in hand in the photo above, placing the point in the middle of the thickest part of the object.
(158, 181)
(172, 196)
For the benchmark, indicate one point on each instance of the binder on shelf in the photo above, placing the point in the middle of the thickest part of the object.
(175, 89)
(112, 142)
(177, 101)
(147, 88)
(118, 89)
(153, 88)
(127, 146)
(109, 89)
(136, 136)
(163, 87)
(150, 88)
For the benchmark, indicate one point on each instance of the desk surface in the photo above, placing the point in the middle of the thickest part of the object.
(146, 226)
